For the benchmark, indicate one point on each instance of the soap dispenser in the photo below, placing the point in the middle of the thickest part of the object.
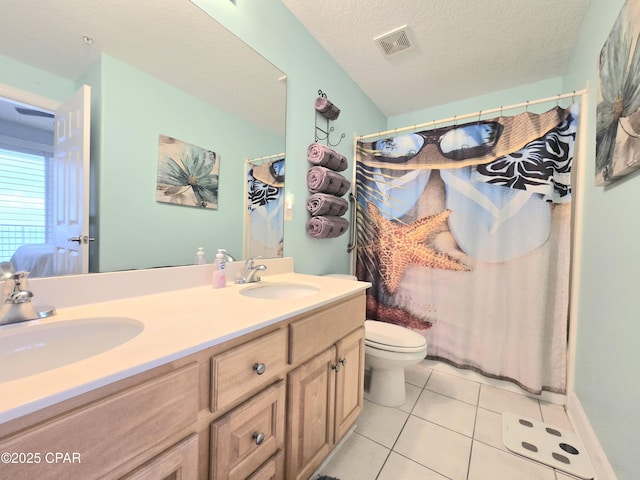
(219, 273)
(200, 257)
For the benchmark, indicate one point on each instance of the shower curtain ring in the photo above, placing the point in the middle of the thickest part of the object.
(479, 115)
(526, 108)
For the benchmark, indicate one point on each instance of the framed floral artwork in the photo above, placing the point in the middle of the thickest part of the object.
(618, 118)
(187, 175)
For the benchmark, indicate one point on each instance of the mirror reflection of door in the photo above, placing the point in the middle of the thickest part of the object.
(31, 182)
(70, 232)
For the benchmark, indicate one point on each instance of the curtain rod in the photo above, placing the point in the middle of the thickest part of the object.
(455, 118)
(275, 155)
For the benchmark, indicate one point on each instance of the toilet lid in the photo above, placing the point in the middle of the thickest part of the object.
(382, 334)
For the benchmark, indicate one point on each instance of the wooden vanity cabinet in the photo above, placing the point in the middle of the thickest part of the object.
(179, 462)
(325, 393)
(269, 405)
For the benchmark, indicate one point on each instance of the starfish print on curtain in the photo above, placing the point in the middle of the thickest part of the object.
(399, 246)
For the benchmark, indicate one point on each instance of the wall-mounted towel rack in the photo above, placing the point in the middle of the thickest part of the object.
(329, 112)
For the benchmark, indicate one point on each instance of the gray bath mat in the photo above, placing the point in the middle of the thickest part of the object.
(544, 443)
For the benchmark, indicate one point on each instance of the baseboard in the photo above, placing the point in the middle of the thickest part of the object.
(582, 427)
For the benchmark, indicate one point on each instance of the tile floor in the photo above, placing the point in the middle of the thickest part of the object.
(449, 428)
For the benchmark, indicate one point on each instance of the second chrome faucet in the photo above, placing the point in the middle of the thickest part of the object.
(250, 272)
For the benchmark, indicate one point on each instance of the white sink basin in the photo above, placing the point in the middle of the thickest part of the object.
(37, 347)
(279, 290)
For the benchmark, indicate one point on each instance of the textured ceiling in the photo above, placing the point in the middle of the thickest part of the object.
(461, 48)
(169, 39)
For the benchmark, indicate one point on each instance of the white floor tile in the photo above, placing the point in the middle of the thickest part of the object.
(435, 447)
(450, 427)
(489, 428)
(381, 424)
(398, 467)
(498, 400)
(490, 463)
(417, 375)
(446, 412)
(413, 393)
(358, 459)
(454, 386)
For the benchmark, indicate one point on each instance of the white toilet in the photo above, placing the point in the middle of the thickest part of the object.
(389, 349)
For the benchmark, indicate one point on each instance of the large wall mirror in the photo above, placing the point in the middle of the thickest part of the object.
(156, 69)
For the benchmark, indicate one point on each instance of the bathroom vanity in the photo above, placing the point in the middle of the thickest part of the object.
(219, 385)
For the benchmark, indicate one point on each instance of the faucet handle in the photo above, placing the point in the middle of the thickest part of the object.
(251, 260)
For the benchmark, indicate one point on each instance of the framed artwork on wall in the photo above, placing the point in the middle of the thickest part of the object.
(187, 175)
(618, 115)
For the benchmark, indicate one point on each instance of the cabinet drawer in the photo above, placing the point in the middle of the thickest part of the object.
(247, 368)
(318, 331)
(245, 438)
(272, 470)
(109, 432)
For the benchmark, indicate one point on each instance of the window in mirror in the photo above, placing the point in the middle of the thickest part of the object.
(25, 203)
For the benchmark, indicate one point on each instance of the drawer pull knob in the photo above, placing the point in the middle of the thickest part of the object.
(343, 362)
(336, 367)
(259, 368)
(258, 437)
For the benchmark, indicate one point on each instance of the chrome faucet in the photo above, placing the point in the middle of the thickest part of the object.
(250, 272)
(17, 306)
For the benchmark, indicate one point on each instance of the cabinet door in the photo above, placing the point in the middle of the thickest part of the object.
(349, 381)
(179, 462)
(310, 419)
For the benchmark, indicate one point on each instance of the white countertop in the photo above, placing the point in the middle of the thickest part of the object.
(176, 323)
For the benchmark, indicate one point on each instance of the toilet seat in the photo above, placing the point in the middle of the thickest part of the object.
(392, 338)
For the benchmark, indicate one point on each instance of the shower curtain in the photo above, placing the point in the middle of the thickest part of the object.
(265, 209)
(464, 232)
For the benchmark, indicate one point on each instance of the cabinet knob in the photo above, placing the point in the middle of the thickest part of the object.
(336, 367)
(259, 368)
(258, 437)
(343, 361)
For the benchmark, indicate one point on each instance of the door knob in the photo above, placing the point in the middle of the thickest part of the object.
(81, 239)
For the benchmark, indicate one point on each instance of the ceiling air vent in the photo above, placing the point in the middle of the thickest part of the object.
(394, 42)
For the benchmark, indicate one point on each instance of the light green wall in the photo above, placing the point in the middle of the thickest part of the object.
(272, 30)
(134, 230)
(512, 96)
(30, 79)
(607, 357)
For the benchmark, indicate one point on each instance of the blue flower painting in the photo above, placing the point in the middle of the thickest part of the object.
(187, 175)
(618, 118)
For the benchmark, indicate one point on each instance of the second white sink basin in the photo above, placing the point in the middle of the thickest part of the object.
(37, 347)
(279, 290)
